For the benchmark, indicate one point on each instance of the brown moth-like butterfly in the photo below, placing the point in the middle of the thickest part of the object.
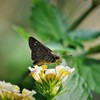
(41, 54)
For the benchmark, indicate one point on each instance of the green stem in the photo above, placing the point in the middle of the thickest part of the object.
(50, 98)
(78, 22)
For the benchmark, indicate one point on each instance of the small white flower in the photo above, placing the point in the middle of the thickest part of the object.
(50, 71)
(64, 71)
(9, 86)
(27, 92)
(35, 69)
(35, 72)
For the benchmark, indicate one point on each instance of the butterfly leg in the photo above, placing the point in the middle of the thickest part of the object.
(38, 63)
(35, 63)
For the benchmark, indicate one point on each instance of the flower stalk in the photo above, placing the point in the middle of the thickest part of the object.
(50, 98)
(50, 82)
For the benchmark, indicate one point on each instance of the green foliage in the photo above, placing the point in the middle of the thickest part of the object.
(76, 89)
(91, 73)
(21, 31)
(94, 50)
(48, 23)
(89, 70)
(84, 35)
(45, 21)
(17, 58)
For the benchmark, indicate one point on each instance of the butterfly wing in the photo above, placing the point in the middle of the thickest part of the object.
(39, 51)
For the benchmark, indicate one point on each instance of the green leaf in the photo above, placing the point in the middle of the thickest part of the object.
(74, 44)
(90, 71)
(36, 1)
(91, 61)
(92, 68)
(47, 22)
(93, 50)
(77, 89)
(58, 47)
(84, 35)
(21, 31)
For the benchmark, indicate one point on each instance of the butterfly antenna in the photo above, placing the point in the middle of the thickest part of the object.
(66, 55)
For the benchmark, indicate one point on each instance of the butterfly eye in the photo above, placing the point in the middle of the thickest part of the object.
(57, 57)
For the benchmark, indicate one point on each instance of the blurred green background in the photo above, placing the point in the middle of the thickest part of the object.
(73, 26)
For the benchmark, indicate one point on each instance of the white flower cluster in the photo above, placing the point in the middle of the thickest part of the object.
(50, 82)
(60, 71)
(12, 92)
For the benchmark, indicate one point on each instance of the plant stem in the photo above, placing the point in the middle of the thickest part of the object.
(50, 98)
(78, 22)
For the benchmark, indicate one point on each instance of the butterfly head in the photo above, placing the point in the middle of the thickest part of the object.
(55, 58)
